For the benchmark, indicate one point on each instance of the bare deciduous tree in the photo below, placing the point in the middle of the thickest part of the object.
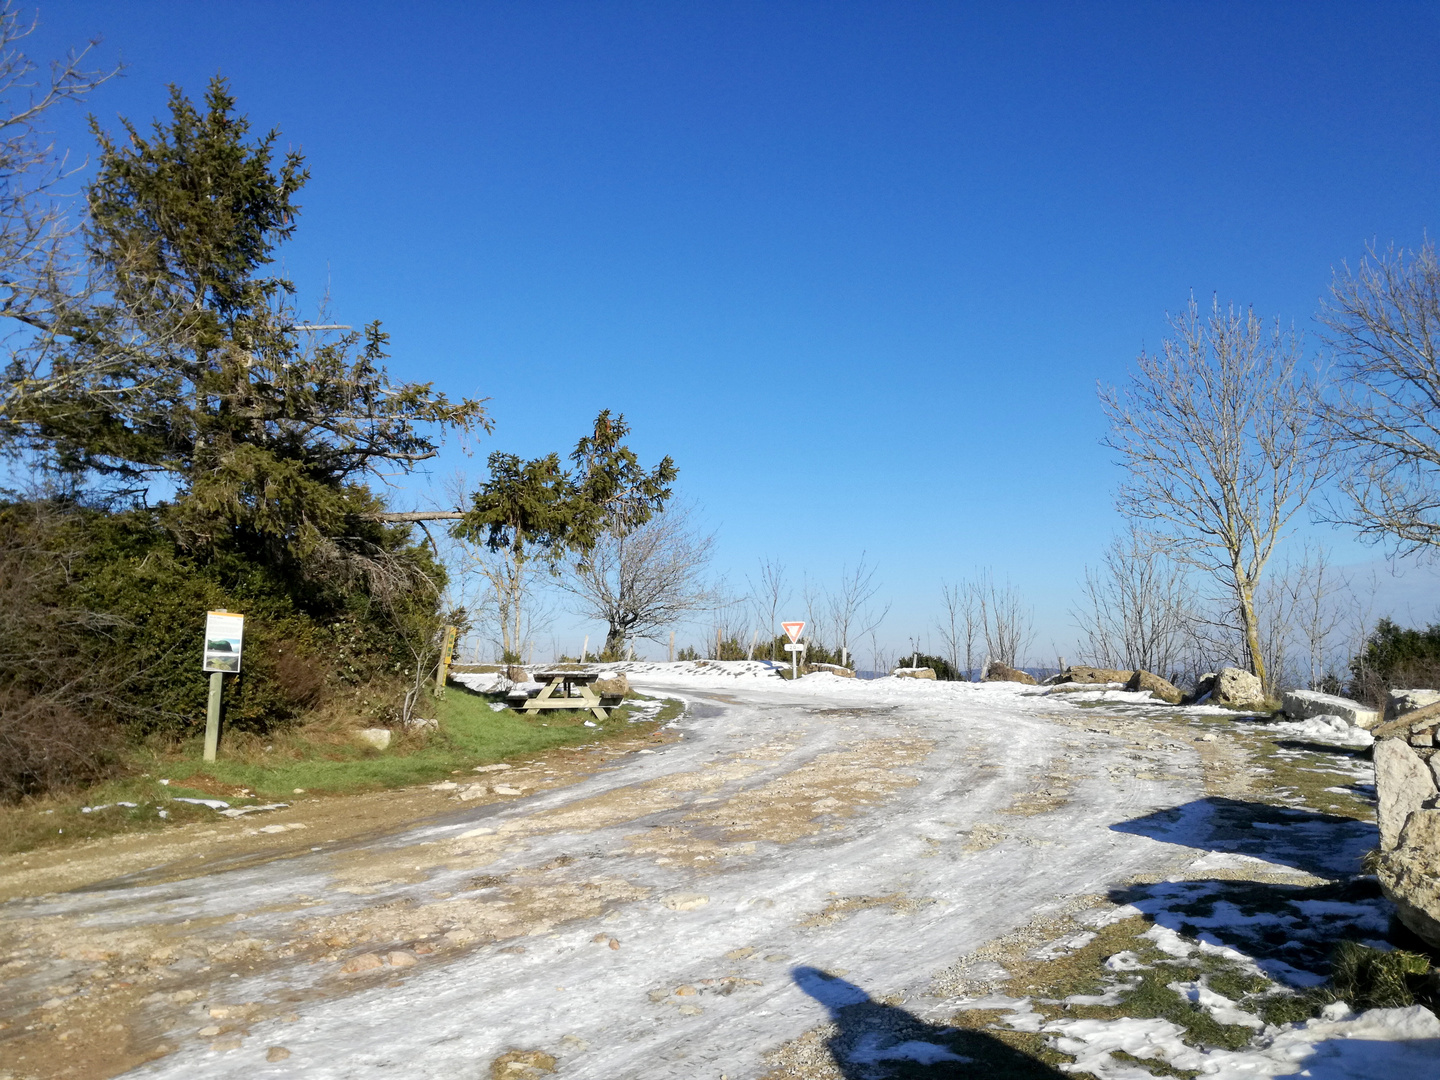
(1220, 438)
(641, 581)
(849, 608)
(767, 594)
(1007, 622)
(1136, 608)
(962, 627)
(37, 263)
(1384, 321)
(1302, 617)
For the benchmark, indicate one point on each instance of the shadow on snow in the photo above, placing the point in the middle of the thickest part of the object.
(875, 1040)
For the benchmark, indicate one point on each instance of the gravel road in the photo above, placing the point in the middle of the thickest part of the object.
(652, 920)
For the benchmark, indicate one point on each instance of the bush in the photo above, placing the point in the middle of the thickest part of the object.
(46, 744)
(1396, 657)
(938, 664)
(101, 625)
(1371, 979)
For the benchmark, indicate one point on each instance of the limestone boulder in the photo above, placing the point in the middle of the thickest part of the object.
(1401, 702)
(998, 672)
(1078, 674)
(1160, 688)
(616, 685)
(1304, 704)
(1410, 873)
(1231, 688)
(1403, 782)
(378, 737)
(914, 673)
(833, 669)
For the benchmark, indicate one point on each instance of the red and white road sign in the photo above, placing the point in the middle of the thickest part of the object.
(794, 629)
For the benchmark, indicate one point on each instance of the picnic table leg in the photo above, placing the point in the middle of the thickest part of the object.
(592, 702)
(532, 705)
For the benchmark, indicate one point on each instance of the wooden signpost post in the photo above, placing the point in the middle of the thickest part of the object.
(795, 648)
(447, 657)
(224, 640)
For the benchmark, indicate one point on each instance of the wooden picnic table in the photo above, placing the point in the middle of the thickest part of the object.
(575, 692)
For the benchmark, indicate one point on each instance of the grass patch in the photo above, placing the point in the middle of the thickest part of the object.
(321, 758)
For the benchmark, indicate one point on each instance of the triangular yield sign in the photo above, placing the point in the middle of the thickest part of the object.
(794, 629)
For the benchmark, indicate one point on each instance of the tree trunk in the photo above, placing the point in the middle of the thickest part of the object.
(1250, 625)
(614, 639)
(416, 515)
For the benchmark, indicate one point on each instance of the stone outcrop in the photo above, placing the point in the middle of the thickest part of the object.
(1304, 704)
(1410, 875)
(998, 672)
(914, 673)
(835, 669)
(1076, 674)
(1401, 702)
(616, 685)
(1407, 782)
(1165, 691)
(1403, 783)
(1231, 688)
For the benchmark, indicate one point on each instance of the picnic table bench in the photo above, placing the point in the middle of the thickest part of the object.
(570, 690)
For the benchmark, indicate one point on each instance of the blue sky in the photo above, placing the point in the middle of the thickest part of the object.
(857, 267)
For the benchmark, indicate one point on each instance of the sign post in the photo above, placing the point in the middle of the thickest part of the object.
(224, 639)
(794, 629)
(447, 654)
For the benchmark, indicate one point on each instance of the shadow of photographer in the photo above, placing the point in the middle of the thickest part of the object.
(876, 1041)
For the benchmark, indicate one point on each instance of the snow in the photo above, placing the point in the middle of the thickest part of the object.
(1335, 730)
(1379, 1042)
(981, 746)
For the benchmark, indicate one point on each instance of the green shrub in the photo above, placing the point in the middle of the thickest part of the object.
(1394, 656)
(938, 664)
(1371, 979)
(102, 615)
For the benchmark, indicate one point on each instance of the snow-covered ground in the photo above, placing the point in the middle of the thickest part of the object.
(673, 907)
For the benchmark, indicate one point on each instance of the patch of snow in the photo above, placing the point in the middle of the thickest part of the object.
(1224, 1010)
(1059, 947)
(241, 811)
(870, 1049)
(1337, 1046)
(1124, 961)
(1334, 730)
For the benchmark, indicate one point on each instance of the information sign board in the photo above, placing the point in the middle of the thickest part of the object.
(224, 639)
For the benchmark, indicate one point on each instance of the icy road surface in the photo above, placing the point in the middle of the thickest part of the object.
(877, 831)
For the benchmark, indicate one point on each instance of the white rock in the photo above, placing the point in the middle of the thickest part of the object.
(1402, 782)
(377, 737)
(1401, 702)
(490, 768)
(686, 901)
(445, 785)
(506, 789)
(1236, 689)
(1303, 704)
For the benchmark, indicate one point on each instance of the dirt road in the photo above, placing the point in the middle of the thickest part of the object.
(647, 919)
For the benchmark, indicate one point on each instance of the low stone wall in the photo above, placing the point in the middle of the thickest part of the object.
(1407, 785)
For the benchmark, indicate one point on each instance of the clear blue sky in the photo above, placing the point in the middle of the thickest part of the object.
(857, 267)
